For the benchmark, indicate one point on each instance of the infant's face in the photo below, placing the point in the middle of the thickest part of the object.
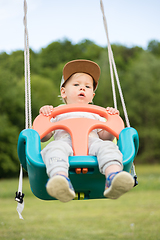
(78, 89)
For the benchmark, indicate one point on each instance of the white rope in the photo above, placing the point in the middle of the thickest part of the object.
(28, 113)
(109, 55)
(112, 63)
(113, 66)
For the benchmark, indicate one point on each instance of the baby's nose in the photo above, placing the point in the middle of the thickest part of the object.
(82, 88)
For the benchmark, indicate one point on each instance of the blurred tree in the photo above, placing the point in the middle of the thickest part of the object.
(11, 97)
(13, 63)
(44, 92)
(141, 85)
(56, 53)
(88, 50)
(138, 71)
(154, 47)
(9, 164)
(103, 95)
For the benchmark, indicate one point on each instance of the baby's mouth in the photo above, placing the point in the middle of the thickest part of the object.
(81, 95)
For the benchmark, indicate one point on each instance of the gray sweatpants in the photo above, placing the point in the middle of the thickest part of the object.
(55, 154)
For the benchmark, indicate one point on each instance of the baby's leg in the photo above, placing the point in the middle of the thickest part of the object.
(55, 156)
(112, 168)
(108, 155)
(110, 164)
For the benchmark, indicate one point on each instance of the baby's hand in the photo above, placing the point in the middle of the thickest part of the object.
(46, 110)
(111, 110)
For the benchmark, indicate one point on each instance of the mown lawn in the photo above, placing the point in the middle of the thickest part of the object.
(135, 215)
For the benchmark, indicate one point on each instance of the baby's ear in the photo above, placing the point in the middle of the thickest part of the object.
(63, 92)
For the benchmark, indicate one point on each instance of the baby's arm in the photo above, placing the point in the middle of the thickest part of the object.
(103, 134)
(46, 111)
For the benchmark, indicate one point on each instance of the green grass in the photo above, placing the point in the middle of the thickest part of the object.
(135, 215)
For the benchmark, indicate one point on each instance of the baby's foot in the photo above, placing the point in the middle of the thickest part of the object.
(60, 187)
(117, 184)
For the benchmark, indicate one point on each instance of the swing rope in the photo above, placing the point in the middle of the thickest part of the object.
(28, 112)
(113, 66)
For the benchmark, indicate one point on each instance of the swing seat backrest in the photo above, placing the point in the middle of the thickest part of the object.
(90, 184)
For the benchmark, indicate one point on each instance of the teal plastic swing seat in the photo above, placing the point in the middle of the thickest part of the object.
(87, 186)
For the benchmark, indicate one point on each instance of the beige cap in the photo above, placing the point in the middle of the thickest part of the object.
(81, 66)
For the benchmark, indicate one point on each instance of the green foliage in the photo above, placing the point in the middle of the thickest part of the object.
(141, 86)
(8, 148)
(123, 55)
(11, 120)
(103, 95)
(13, 63)
(11, 97)
(88, 50)
(154, 47)
(60, 52)
(139, 74)
(43, 92)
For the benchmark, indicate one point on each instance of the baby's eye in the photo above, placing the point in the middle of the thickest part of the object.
(87, 86)
(76, 84)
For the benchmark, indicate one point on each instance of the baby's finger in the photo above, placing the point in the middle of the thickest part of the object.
(111, 110)
(46, 110)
